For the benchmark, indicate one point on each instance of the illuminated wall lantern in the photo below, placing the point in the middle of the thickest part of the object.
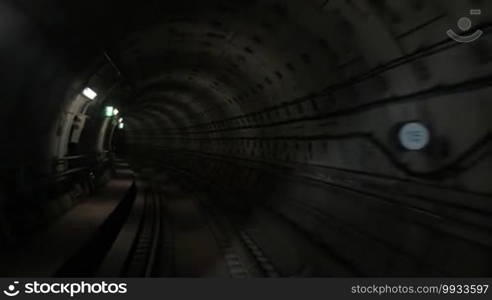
(109, 111)
(121, 125)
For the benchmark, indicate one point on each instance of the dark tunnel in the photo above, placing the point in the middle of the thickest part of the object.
(259, 138)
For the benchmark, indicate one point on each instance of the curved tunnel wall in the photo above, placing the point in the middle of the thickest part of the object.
(294, 105)
(42, 175)
(297, 106)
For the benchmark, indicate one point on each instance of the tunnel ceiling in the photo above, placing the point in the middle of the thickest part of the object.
(210, 61)
(272, 70)
(207, 61)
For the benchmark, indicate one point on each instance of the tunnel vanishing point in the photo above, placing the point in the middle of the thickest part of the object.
(252, 138)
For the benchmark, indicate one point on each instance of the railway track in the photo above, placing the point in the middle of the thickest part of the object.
(145, 249)
(174, 232)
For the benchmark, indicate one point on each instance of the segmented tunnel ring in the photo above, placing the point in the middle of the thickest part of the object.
(265, 138)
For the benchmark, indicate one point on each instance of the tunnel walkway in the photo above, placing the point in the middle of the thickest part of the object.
(155, 223)
(178, 231)
(150, 221)
(51, 247)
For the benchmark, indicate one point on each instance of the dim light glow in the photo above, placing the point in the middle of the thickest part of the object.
(121, 125)
(89, 93)
(109, 111)
(115, 112)
(414, 136)
(120, 120)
